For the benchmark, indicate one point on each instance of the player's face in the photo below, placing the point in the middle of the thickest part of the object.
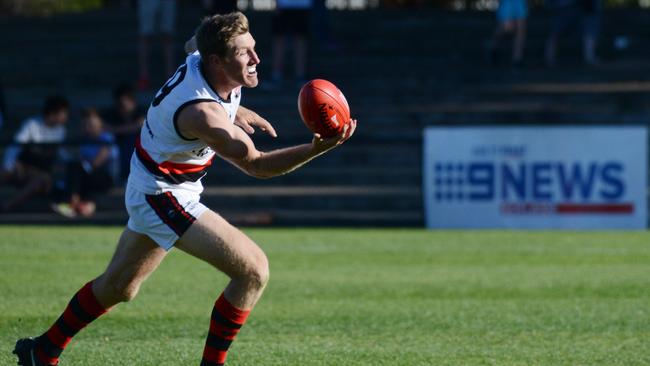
(241, 63)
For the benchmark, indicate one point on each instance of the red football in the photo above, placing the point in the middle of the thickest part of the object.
(323, 107)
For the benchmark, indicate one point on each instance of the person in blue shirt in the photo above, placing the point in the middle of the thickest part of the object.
(511, 19)
(91, 174)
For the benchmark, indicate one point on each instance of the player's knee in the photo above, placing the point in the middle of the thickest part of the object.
(120, 291)
(258, 274)
(125, 293)
(111, 290)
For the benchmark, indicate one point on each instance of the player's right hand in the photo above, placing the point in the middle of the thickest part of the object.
(322, 144)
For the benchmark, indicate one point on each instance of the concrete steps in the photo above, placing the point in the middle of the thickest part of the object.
(373, 205)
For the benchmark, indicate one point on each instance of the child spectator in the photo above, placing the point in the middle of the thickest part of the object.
(91, 174)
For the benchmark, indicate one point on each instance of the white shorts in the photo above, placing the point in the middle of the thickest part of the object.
(150, 10)
(163, 217)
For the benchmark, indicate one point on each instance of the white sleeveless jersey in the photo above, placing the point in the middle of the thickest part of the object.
(164, 159)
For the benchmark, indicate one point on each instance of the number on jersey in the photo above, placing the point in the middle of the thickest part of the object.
(176, 79)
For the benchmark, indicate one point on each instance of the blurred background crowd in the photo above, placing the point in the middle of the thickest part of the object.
(78, 75)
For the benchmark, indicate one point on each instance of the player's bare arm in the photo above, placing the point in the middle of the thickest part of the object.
(209, 122)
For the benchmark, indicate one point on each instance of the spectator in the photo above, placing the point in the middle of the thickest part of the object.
(91, 173)
(511, 19)
(124, 120)
(322, 28)
(564, 15)
(28, 163)
(148, 12)
(212, 7)
(592, 11)
(290, 20)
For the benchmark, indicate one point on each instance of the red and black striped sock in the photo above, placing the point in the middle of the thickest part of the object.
(81, 310)
(224, 326)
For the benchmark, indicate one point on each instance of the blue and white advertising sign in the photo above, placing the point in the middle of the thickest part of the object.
(535, 177)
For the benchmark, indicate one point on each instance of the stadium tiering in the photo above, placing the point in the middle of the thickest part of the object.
(400, 70)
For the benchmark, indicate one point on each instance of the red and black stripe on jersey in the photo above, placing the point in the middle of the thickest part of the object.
(170, 172)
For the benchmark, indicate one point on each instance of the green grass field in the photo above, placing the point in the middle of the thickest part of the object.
(354, 297)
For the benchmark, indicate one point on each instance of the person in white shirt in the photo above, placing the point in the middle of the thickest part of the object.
(28, 162)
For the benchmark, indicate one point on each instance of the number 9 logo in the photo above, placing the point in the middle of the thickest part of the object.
(176, 79)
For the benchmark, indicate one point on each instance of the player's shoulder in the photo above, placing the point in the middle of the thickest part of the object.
(203, 113)
(198, 119)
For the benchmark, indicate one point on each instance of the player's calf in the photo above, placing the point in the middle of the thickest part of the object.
(225, 322)
(136, 257)
(82, 309)
(227, 319)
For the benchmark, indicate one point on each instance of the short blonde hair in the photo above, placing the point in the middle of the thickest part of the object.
(214, 33)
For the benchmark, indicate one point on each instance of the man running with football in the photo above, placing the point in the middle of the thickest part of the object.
(195, 116)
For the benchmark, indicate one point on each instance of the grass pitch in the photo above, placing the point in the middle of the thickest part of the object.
(354, 297)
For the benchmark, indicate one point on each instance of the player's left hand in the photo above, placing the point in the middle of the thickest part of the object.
(248, 120)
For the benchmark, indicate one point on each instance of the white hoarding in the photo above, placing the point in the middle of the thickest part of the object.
(535, 177)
